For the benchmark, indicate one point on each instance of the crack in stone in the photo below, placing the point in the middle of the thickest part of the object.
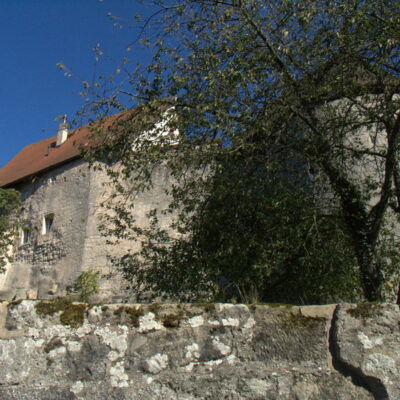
(370, 383)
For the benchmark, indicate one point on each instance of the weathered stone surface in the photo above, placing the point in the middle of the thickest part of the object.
(367, 339)
(49, 263)
(167, 351)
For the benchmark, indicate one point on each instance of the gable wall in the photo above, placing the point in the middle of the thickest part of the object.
(45, 264)
(49, 263)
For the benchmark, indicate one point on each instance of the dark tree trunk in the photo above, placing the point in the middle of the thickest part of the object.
(364, 233)
(371, 273)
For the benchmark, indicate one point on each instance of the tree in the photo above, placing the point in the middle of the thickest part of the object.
(10, 201)
(316, 81)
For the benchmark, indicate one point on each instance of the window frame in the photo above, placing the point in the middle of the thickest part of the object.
(47, 224)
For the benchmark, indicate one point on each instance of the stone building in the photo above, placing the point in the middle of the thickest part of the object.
(61, 206)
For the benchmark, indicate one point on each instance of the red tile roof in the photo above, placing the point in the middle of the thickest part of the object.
(33, 158)
(36, 157)
(41, 156)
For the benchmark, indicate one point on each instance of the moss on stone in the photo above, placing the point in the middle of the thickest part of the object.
(252, 307)
(50, 307)
(207, 307)
(14, 303)
(154, 308)
(71, 314)
(53, 344)
(297, 320)
(365, 310)
(274, 305)
(172, 320)
(133, 312)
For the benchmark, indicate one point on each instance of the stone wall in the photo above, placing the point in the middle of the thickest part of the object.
(48, 264)
(62, 350)
(44, 265)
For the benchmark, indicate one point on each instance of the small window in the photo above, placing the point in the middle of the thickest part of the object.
(26, 235)
(47, 223)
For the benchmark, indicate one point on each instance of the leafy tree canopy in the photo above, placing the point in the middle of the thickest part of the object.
(303, 91)
(10, 201)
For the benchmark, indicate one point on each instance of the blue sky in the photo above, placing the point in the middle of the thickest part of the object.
(37, 34)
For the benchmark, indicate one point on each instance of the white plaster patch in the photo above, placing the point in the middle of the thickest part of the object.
(74, 346)
(208, 364)
(34, 332)
(196, 321)
(381, 365)
(365, 341)
(57, 352)
(230, 322)
(60, 331)
(213, 363)
(259, 386)
(112, 339)
(24, 314)
(249, 323)
(113, 355)
(156, 363)
(222, 348)
(25, 373)
(214, 323)
(231, 359)
(77, 387)
(192, 351)
(83, 330)
(284, 384)
(225, 306)
(8, 349)
(369, 343)
(189, 367)
(94, 313)
(31, 344)
(148, 323)
(118, 376)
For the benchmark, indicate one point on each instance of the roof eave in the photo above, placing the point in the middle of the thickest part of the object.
(42, 171)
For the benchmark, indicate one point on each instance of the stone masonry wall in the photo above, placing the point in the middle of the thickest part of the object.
(48, 264)
(45, 265)
(62, 350)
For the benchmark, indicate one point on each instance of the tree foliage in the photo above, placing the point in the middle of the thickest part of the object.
(10, 201)
(308, 85)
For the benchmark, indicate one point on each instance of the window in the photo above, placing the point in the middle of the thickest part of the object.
(47, 223)
(26, 234)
